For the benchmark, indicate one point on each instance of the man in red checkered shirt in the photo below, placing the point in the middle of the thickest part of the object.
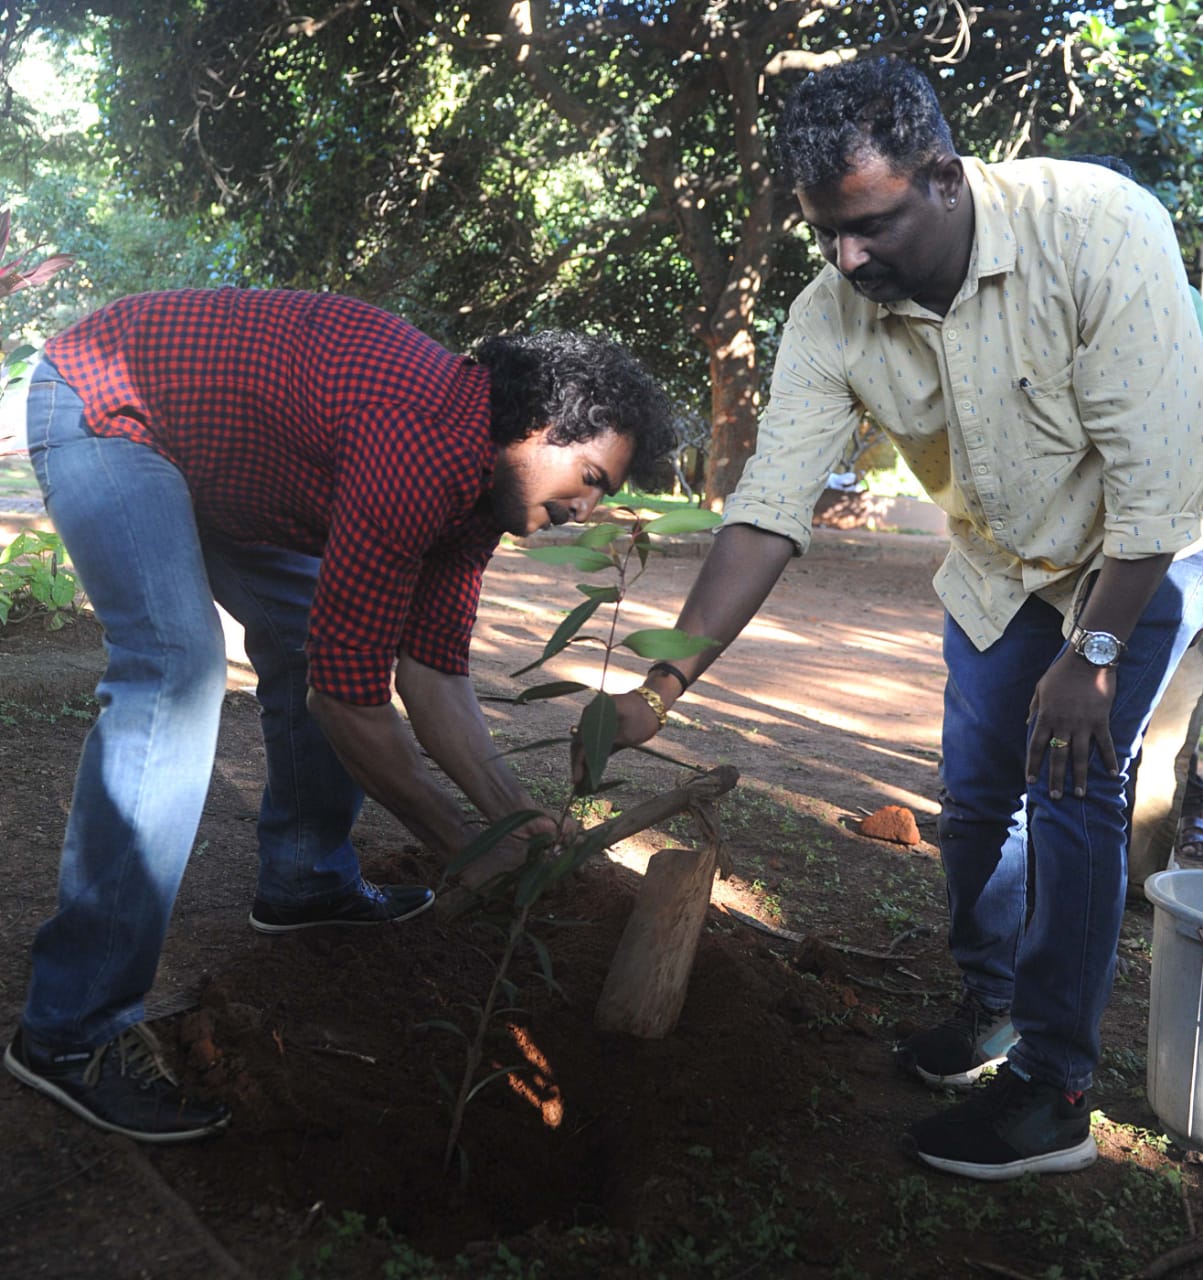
(337, 481)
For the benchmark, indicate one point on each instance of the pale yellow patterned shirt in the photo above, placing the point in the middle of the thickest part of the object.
(1054, 413)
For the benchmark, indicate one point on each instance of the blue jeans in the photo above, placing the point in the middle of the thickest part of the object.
(1036, 886)
(125, 516)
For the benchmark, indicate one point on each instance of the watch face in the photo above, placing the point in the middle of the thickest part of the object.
(1100, 648)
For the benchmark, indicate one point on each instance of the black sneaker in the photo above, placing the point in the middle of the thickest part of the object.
(1010, 1127)
(123, 1087)
(955, 1054)
(1187, 853)
(369, 904)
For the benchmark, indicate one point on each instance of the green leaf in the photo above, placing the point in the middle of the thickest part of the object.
(441, 1024)
(687, 520)
(563, 634)
(490, 837)
(599, 724)
(583, 558)
(545, 961)
(660, 643)
(531, 885)
(63, 591)
(570, 626)
(444, 1084)
(599, 535)
(21, 545)
(642, 544)
(556, 689)
(607, 595)
(516, 1070)
(19, 355)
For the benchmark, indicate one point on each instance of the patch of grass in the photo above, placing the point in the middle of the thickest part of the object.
(750, 1220)
(1126, 1065)
(83, 708)
(770, 900)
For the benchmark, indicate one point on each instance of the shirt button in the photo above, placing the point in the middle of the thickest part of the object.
(966, 404)
(997, 524)
(981, 470)
(952, 334)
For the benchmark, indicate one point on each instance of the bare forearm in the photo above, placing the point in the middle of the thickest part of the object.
(448, 722)
(742, 568)
(378, 751)
(1121, 593)
(735, 579)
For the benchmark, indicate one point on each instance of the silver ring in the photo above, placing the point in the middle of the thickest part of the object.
(1058, 744)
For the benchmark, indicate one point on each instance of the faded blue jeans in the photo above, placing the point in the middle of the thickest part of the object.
(125, 516)
(1036, 886)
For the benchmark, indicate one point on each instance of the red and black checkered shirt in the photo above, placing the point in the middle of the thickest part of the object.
(319, 423)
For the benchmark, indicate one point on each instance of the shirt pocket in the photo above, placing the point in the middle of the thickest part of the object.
(1048, 409)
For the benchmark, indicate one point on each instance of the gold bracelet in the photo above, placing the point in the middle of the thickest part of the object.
(655, 701)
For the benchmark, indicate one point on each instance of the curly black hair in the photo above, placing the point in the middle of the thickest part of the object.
(880, 105)
(1114, 163)
(581, 386)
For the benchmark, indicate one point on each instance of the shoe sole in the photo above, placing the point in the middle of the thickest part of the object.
(964, 1081)
(261, 926)
(44, 1086)
(1069, 1160)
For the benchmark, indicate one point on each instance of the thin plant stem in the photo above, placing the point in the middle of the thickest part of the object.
(476, 1051)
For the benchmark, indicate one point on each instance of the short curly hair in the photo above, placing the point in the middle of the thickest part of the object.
(879, 105)
(581, 386)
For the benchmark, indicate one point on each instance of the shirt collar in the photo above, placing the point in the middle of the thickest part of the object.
(993, 251)
(993, 239)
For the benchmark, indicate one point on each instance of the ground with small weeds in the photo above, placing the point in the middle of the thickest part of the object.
(761, 1138)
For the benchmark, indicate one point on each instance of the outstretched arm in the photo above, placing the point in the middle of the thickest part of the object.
(735, 579)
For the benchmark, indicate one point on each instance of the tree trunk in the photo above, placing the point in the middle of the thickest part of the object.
(735, 404)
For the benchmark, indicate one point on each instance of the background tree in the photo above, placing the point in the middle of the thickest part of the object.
(482, 165)
(1141, 79)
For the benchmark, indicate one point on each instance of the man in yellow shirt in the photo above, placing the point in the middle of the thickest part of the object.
(1024, 333)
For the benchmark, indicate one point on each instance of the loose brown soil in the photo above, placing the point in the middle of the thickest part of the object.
(759, 1139)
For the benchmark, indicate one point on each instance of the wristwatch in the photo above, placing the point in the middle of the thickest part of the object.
(1100, 648)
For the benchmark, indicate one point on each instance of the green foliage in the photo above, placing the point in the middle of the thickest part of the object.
(1137, 68)
(34, 580)
(15, 366)
(56, 174)
(609, 546)
(487, 167)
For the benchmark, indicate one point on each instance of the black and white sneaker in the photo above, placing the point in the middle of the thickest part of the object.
(368, 904)
(957, 1052)
(1011, 1126)
(124, 1086)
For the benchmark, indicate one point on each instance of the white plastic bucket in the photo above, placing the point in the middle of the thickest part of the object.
(1175, 1075)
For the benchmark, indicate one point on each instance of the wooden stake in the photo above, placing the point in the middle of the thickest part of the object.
(645, 988)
